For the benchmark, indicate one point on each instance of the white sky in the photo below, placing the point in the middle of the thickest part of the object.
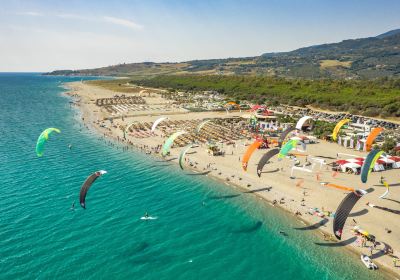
(49, 35)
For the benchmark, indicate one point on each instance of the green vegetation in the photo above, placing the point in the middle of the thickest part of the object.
(286, 119)
(322, 129)
(389, 145)
(379, 97)
(365, 58)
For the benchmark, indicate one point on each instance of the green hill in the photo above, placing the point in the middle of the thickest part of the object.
(364, 58)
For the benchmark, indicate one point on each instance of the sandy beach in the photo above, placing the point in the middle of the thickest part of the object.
(296, 195)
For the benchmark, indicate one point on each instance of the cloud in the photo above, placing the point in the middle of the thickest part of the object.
(71, 16)
(30, 13)
(107, 19)
(123, 22)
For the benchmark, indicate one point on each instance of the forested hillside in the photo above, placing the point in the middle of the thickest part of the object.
(365, 58)
(379, 97)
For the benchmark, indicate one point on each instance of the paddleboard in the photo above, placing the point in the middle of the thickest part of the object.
(148, 218)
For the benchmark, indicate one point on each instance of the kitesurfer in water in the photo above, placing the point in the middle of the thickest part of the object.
(283, 233)
(70, 146)
(146, 215)
(73, 206)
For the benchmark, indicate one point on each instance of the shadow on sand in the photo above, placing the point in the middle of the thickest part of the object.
(197, 174)
(314, 226)
(337, 244)
(381, 252)
(359, 213)
(259, 190)
(271, 171)
(370, 190)
(393, 200)
(171, 159)
(326, 157)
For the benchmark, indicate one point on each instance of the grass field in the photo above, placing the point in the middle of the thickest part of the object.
(334, 63)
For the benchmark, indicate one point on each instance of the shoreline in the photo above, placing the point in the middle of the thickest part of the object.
(290, 194)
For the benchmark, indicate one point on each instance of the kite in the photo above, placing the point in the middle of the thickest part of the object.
(200, 126)
(291, 144)
(157, 122)
(371, 137)
(384, 208)
(338, 127)
(43, 138)
(264, 160)
(168, 143)
(129, 126)
(302, 121)
(369, 164)
(344, 188)
(182, 155)
(343, 211)
(387, 189)
(284, 134)
(250, 150)
(87, 184)
(300, 169)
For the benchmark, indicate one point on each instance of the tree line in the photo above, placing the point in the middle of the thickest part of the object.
(379, 97)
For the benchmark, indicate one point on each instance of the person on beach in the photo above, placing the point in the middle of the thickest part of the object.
(363, 241)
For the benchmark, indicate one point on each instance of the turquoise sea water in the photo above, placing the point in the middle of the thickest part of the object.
(233, 236)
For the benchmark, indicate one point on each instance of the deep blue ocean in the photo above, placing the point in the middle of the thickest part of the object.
(204, 230)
